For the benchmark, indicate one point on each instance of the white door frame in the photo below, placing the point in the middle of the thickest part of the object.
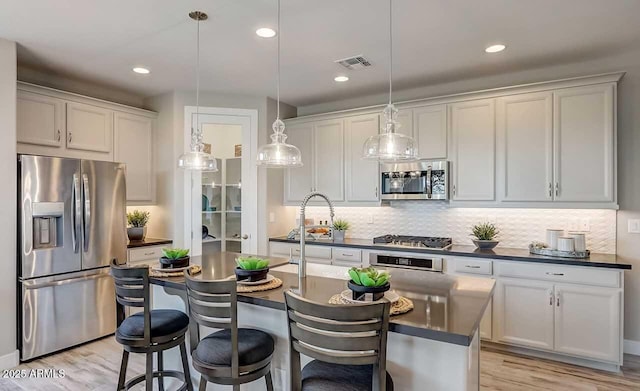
(249, 172)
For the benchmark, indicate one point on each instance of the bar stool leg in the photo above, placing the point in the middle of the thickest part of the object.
(123, 369)
(236, 387)
(203, 384)
(160, 369)
(269, 381)
(185, 366)
(149, 373)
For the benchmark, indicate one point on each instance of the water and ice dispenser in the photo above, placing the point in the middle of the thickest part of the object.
(47, 224)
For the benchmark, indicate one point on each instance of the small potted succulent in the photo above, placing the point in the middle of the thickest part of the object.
(174, 258)
(485, 235)
(251, 269)
(368, 284)
(137, 221)
(340, 227)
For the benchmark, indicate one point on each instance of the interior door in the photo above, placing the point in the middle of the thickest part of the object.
(230, 213)
(104, 234)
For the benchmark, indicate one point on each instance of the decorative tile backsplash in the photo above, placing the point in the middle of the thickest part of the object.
(518, 227)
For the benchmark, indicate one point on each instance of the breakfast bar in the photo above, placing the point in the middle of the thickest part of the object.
(434, 346)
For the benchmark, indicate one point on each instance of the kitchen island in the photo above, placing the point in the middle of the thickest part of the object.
(433, 347)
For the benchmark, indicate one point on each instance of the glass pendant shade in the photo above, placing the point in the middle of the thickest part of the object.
(278, 153)
(390, 146)
(197, 161)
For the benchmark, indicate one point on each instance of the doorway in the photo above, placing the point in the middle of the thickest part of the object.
(222, 214)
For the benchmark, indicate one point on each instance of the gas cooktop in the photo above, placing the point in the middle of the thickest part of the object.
(414, 241)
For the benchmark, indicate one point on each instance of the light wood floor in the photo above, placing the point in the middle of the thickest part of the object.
(95, 367)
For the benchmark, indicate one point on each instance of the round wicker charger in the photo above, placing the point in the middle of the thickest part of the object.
(194, 269)
(273, 284)
(402, 306)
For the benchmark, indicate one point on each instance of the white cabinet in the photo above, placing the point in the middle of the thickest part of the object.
(525, 146)
(134, 147)
(583, 120)
(486, 324)
(329, 158)
(523, 313)
(299, 181)
(430, 131)
(89, 127)
(587, 322)
(39, 119)
(473, 136)
(363, 176)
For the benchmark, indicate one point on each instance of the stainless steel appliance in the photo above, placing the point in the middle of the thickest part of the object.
(71, 225)
(424, 262)
(414, 241)
(422, 180)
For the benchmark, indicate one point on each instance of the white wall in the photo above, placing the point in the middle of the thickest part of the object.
(628, 245)
(223, 139)
(8, 197)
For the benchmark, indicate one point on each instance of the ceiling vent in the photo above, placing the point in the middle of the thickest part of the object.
(354, 63)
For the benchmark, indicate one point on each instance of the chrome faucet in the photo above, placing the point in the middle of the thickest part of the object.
(302, 264)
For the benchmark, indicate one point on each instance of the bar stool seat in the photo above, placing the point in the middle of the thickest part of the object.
(163, 323)
(254, 346)
(323, 376)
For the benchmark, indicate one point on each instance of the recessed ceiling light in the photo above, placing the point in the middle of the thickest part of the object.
(341, 79)
(495, 48)
(266, 32)
(141, 70)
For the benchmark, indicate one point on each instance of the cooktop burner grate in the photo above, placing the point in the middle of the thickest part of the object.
(414, 241)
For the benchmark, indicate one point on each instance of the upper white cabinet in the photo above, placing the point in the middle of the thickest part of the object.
(473, 140)
(134, 147)
(89, 128)
(584, 137)
(525, 146)
(329, 158)
(62, 124)
(40, 119)
(362, 179)
(430, 131)
(300, 181)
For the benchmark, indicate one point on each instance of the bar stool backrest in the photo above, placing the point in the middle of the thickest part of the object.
(213, 304)
(132, 290)
(342, 334)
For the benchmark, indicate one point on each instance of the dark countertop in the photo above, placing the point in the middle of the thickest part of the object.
(610, 261)
(148, 242)
(446, 308)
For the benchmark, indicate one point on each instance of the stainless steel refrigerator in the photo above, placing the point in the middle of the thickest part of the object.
(71, 225)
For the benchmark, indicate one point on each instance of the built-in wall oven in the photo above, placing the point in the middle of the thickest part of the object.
(422, 180)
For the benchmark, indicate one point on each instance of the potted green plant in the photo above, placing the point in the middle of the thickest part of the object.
(174, 258)
(137, 229)
(251, 269)
(340, 227)
(366, 281)
(485, 235)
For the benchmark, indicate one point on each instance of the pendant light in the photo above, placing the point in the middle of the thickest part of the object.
(278, 154)
(390, 146)
(197, 159)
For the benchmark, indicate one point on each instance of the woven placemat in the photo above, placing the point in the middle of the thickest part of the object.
(194, 269)
(273, 284)
(402, 306)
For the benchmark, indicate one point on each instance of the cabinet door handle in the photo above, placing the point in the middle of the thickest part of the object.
(69, 137)
(150, 253)
(550, 190)
(376, 191)
(557, 189)
(454, 189)
(472, 266)
(58, 138)
(554, 274)
(347, 255)
(558, 301)
(550, 297)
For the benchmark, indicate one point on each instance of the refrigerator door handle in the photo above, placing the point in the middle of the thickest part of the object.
(87, 211)
(30, 284)
(75, 214)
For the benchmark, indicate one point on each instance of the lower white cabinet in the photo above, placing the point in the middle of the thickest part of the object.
(524, 312)
(587, 321)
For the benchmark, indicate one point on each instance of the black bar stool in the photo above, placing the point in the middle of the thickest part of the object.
(348, 343)
(231, 356)
(149, 331)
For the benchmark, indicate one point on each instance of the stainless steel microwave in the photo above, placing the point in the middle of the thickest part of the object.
(421, 180)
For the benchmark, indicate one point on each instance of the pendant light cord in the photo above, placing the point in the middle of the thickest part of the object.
(198, 137)
(278, 71)
(390, 49)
